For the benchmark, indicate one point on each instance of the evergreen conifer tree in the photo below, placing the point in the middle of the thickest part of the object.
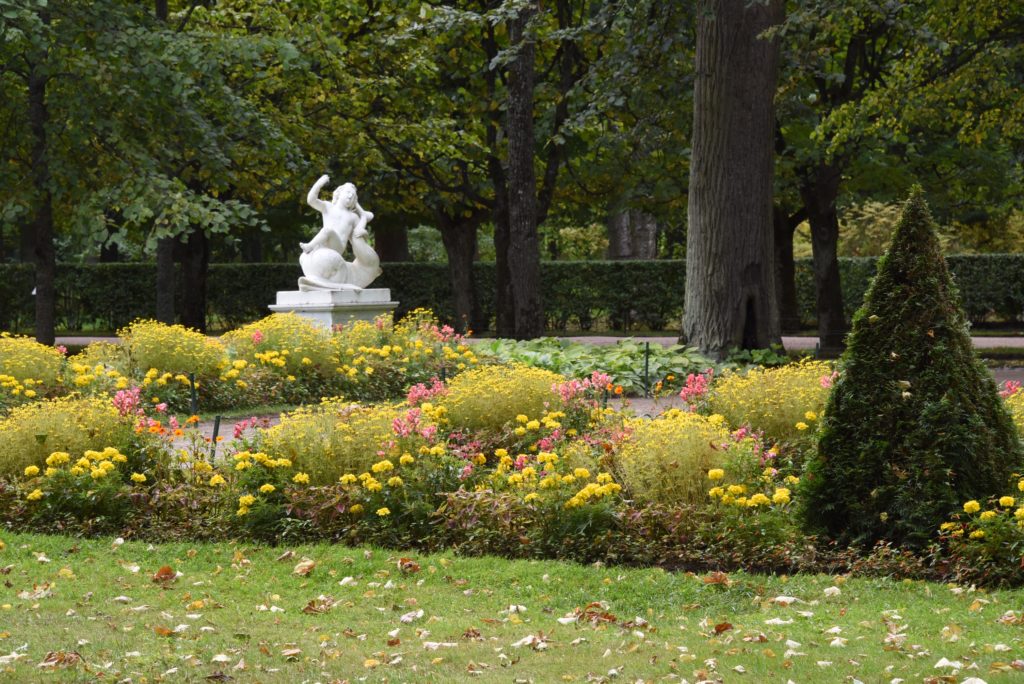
(914, 425)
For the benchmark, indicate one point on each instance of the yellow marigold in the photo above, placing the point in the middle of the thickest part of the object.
(1019, 513)
(533, 425)
(382, 466)
(347, 479)
(781, 496)
(35, 495)
(1020, 484)
(715, 492)
(792, 480)
(736, 490)
(246, 500)
(58, 458)
(217, 481)
(406, 459)
(395, 481)
(1006, 501)
(384, 511)
(987, 515)
(242, 510)
(356, 509)
(972, 506)
(138, 477)
(97, 473)
(947, 526)
(267, 488)
(716, 474)
(77, 470)
(520, 431)
(521, 418)
(604, 478)
(568, 479)
(801, 425)
(978, 534)
(373, 485)
(530, 497)
(581, 473)
(51, 471)
(811, 415)
(501, 453)
(300, 478)
(31, 471)
(758, 499)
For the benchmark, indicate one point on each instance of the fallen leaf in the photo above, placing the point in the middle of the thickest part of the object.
(160, 630)
(165, 575)
(304, 567)
(407, 566)
(287, 555)
(723, 627)
(55, 659)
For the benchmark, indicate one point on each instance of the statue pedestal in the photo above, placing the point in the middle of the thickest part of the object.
(329, 308)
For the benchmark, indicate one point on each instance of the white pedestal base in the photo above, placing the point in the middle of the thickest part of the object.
(336, 307)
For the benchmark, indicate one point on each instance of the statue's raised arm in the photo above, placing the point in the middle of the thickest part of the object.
(313, 198)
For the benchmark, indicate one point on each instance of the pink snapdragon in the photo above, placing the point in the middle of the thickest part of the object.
(420, 392)
(697, 387)
(257, 337)
(127, 401)
(1010, 387)
(828, 380)
(254, 422)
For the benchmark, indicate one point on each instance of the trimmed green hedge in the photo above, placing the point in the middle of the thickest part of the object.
(577, 294)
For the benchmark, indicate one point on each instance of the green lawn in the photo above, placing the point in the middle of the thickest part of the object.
(239, 610)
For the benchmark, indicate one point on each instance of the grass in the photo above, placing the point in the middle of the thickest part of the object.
(237, 610)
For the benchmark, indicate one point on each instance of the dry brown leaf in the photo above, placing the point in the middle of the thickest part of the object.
(717, 577)
(287, 555)
(160, 630)
(723, 627)
(165, 575)
(55, 659)
(304, 567)
(407, 566)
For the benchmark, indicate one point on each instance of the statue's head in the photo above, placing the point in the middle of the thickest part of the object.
(345, 195)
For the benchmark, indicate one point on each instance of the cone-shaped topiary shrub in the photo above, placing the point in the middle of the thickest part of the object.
(914, 425)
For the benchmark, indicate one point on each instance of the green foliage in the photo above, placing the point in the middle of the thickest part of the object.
(24, 359)
(623, 361)
(172, 349)
(914, 425)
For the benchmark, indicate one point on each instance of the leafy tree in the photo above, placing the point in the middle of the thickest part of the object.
(914, 425)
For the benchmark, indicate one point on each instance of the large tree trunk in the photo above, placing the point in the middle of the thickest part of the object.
(819, 190)
(195, 266)
(459, 238)
(632, 234)
(44, 251)
(730, 276)
(785, 270)
(523, 248)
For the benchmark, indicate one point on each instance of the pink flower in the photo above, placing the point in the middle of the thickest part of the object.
(828, 380)
(161, 407)
(257, 337)
(467, 470)
(127, 401)
(696, 387)
(1010, 387)
(62, 349)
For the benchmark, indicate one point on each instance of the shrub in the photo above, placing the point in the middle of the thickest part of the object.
(914, 424)
(986, 543)
(172, 349)
(73, 425)
(28, 362)
(780, 402)
(336, 438)
(298, 344)
(489, 397)
(666, 460)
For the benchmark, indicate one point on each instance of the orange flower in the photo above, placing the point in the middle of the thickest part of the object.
(618, 389)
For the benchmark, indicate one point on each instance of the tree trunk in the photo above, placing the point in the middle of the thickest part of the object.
(391, 242)
(819, 190)
(785, 270)
(459, 238)
(523, 248)
(165, 280)
(632, 234)
(730, 275)
(195, 266)
(43, 249)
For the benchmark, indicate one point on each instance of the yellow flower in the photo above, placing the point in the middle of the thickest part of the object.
(604, 478)
(792, 480)
(781, 496)
(978, 534)
(533, 425)
(531, 496)
(301, 478)
(384, 512)
(947, 526)
(216, 481)
(51, 471)
(347, 479)
(395, 481)
(242, 510)
(500, 453)
(521, 418)
(987, 515)
(138, 477)
(246, 500)
(801, 425)
(77, 470)
(267, 488)
(716, 474)
(520, 431)
(811, 415)
(31, 471)
(407, 459)
(972, 506)
(356, 509)
(581, 473)
(758, 499)
(1020, 484)
(715, 492)
(58, 458)
(382, 466)
(736, 490)
(35, 495)
(1019, 513)
(1006, 501)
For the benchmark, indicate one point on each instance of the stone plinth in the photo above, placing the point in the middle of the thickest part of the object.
(336, 307)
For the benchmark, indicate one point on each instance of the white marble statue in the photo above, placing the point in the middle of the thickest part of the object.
(323, 264)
